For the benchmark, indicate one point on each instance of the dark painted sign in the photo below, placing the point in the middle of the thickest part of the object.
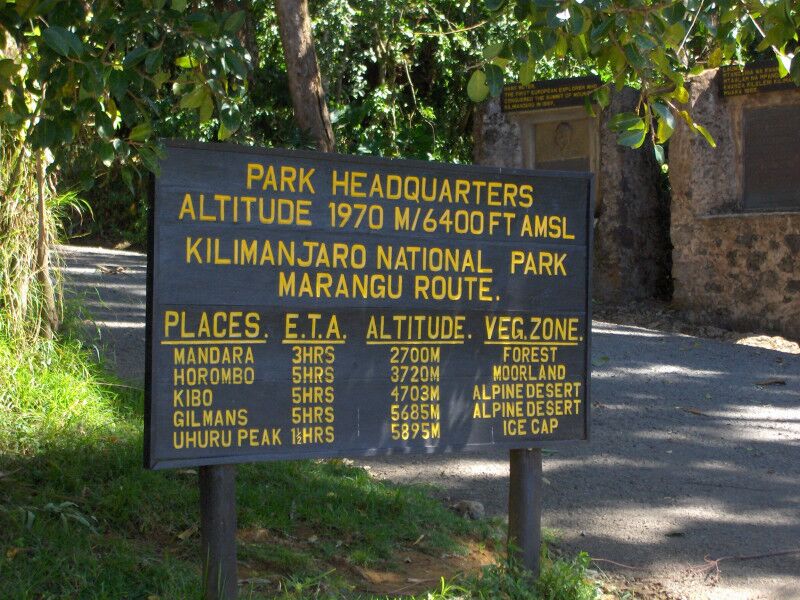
(305, 305)
(755, 78)
(552, 93)
(771, 159)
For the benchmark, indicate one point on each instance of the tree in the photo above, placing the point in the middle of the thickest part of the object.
(655, 44)
(103, 75)
(305, 82)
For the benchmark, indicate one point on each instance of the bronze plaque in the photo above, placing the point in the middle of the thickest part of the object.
(552, 93)
(756, 77)
(771, 159)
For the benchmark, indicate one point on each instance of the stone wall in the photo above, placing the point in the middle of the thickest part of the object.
(731, 268)
(631, 254)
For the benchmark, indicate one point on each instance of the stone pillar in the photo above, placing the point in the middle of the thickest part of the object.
(730, 267)
(632, 222)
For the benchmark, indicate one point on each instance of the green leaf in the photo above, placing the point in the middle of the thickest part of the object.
(626, 120)
(149, 158)
(494, 79)
(576, 21)
(62, 41)
(537, 47)
(633, 138)
(490, 52)
(520, 50)
(634, 57)
(127, 177)
(715, 58)
(236, 63)
(794, 70)
(118, 83)
(526, 72)
(681, 95)
(203, 24)
(477, 90)
(494, 5)
(674, 34)
(160, 79)
(141, 132)
(666, 122)
(104, 125)
(603, 96)
(186, 62)
(522, 10)
(206, 109)
(153, 61)
(65, 127)
(644, 42)
(784, 63)
(663, 131)
(599, 31)
(234, 22)
(195, 98)
(43, 134)
(105, 152)
(704, 132)
(659, 152)
(135, 56)
(223, 133)
(230, 117)
(179, 5)
(549, 39)
(8, 68)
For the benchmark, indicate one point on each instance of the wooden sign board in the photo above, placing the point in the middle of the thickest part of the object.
(754, 78)
(552, 93)
(318, 305)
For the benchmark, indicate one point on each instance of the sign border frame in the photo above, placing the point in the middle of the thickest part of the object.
(148, 459)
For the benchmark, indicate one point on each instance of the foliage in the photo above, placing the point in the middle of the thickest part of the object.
(654, 44)
(101, 75)
(21, 295)
(79, 517)
(560, 579)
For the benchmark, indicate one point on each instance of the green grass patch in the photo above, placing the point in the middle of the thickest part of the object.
(81, 518)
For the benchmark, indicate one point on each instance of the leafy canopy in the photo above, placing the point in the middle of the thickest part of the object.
(654, 44)
(99, 74)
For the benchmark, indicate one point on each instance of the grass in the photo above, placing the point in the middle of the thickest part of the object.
(80, 517)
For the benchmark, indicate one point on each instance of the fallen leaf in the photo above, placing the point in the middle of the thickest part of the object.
(695, 411)
(184, 535)
(12, 552)
(111, 269)
(771, 382)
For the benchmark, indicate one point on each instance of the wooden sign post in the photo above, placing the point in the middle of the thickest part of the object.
(316, 305)
(218, 531)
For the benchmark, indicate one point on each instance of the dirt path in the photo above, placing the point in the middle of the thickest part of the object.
(695, 448)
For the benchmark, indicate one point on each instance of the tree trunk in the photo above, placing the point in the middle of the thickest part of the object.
(305, 82)
(49, 311)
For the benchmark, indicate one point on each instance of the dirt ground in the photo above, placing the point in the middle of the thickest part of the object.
(694, 452)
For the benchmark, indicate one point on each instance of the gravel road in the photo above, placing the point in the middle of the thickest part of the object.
(695, 447)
